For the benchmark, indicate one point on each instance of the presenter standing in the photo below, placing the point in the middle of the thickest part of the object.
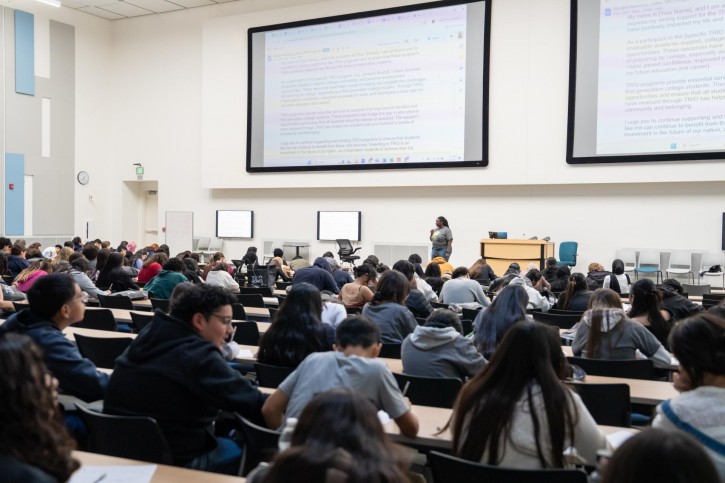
(442, 239)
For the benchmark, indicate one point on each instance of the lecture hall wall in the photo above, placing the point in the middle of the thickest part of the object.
(169, 91)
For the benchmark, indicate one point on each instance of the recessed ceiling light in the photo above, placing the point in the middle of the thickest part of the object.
(52, 3)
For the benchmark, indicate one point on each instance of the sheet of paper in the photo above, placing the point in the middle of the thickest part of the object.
(245, 354)
(616, 439)
(114, 474)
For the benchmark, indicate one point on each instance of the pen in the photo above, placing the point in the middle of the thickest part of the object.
(405, 388)
(100, 478)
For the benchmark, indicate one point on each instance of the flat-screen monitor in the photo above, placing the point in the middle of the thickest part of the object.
(498, 235)
(334, 225)
(404, 87)
(646, 80)
(235, 224)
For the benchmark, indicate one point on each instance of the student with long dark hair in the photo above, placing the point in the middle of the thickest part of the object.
(648, 310)
(605, 332)
(152, 266)
(357, 293)
(296, 330)
(508, 308)
(517, 413)
(433, 277)
(388, 310)
(114, 277)
(34, 443)
(617, 280)
(416, 301)
(698, 343)
(576, 295)
(338, 430)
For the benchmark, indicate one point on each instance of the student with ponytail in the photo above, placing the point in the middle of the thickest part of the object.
(576, 295)
(648, 310)
(388, 310)
(698, 343)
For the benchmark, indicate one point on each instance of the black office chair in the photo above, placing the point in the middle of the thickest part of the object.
(251, 300)
(238, 312)
(566, 312)
(353, 310)
(18, 306)
(466, 326)
(99, 319)
(446, 468)
(346, 251)
(8, 279)
(102, 351)
(561, 321)
(260, 444)
(263, 291)
(271, 376)
(272, 313)
(162, 304)
(246, 333)
(469, 314)
(140, 320)
(439, 392)
(390, 351)
(630, 369)
(609, 404)
(712, 299)
(132, 437)
(438, 305)
(282, 285)
(115, 302)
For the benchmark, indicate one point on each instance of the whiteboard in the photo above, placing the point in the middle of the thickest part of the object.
(235, 224)
(179, 231)
(333, 225)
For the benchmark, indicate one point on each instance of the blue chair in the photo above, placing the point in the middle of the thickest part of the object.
(649, 262)
(567, 254)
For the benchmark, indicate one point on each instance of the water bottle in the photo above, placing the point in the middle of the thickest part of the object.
(285, 439)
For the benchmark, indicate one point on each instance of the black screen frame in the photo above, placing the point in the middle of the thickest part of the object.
(251, 221)
(372, 13)
(359, 223)
(631, 158)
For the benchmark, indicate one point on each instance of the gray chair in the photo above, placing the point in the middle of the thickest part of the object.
(696, 290)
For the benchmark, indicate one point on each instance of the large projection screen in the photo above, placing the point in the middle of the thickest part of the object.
(235, 224)
(335, 225)
(647, 80)
(405, 87)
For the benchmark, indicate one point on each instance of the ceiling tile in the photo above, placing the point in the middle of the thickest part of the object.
(101, 13)
(156, 6)
(75, 3)
(125, 9)
(193, 3)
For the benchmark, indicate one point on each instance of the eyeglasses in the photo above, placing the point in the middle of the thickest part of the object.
(226, 320)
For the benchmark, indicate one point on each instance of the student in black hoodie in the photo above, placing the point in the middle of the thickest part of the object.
(680, 307)
(174, 371)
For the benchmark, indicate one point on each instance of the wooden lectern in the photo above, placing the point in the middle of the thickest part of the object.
(501, 253)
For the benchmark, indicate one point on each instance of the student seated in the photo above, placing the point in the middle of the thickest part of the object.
(55, 302)
(16, 261)
(698, 343)
(28, 277)
(35, 446)
(481, 271)
(596, 275)
(648, 310)
(673, 302)
(416, 301)
(319, 275)
(163, 284)
(617, 280)
(357, 293)
(78, 269)
(433, 277)
(576, 295)
(296, 330)
(219, 276)
(114, 277)
(388, 310)
(341, 276)
(352, 365)
(490, 325)
(339, 429)
(151, 267)
(536, 300)
(174, 372)
(462, 290)
(517, 413)
(656, 456)
(605, 332)
(437, 349)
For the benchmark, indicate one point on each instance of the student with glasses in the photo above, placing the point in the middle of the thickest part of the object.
(174, 371)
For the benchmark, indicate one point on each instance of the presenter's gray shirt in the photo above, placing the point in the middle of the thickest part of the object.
(440, 237)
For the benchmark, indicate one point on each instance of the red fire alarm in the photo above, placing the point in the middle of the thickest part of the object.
(11, 186)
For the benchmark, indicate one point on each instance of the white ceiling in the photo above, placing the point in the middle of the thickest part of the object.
(116, 9)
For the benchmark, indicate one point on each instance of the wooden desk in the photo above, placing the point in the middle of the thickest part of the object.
(502, 253)
(163, 473)
(395, 365)
(146, 303)
(71, 331)
(124, 316)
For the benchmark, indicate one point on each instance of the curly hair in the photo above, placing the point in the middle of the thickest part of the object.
(32, 429)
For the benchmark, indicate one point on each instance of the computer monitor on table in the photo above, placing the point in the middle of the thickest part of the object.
(498, 235)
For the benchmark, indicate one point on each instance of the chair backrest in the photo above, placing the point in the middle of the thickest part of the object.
(695, 290)
(447, 468)
(271, 376)
(469, 314)
(134, 437)
(251, 300)
(681, 260)
(629, 257)
(466, 326)
(630, 369)
(282, 285)
(115, 302)
(18, 306)
(609, 404)
(238, 312)
(102, 351)
(246, 333)
(162, 304)
(566, 312)
(345, 247)
(141, 320)
(712, 299)
(203, 244)
(390, 351)
(439, 392)
(353, 310)
(8, 279)
(649, 258)
(99, 319)
(438, 305)
(260, 444)
(216, 244)
(568, 252)
(263, 291)
(562, 321)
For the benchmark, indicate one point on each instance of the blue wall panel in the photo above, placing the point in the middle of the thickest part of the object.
(24, 53)
(14, 198)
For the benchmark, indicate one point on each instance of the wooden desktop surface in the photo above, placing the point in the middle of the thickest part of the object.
(163, 473)
(146, 303)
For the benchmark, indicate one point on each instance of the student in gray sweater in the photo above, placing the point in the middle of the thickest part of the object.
(437, 349)
(387, 308)
(605, 332)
